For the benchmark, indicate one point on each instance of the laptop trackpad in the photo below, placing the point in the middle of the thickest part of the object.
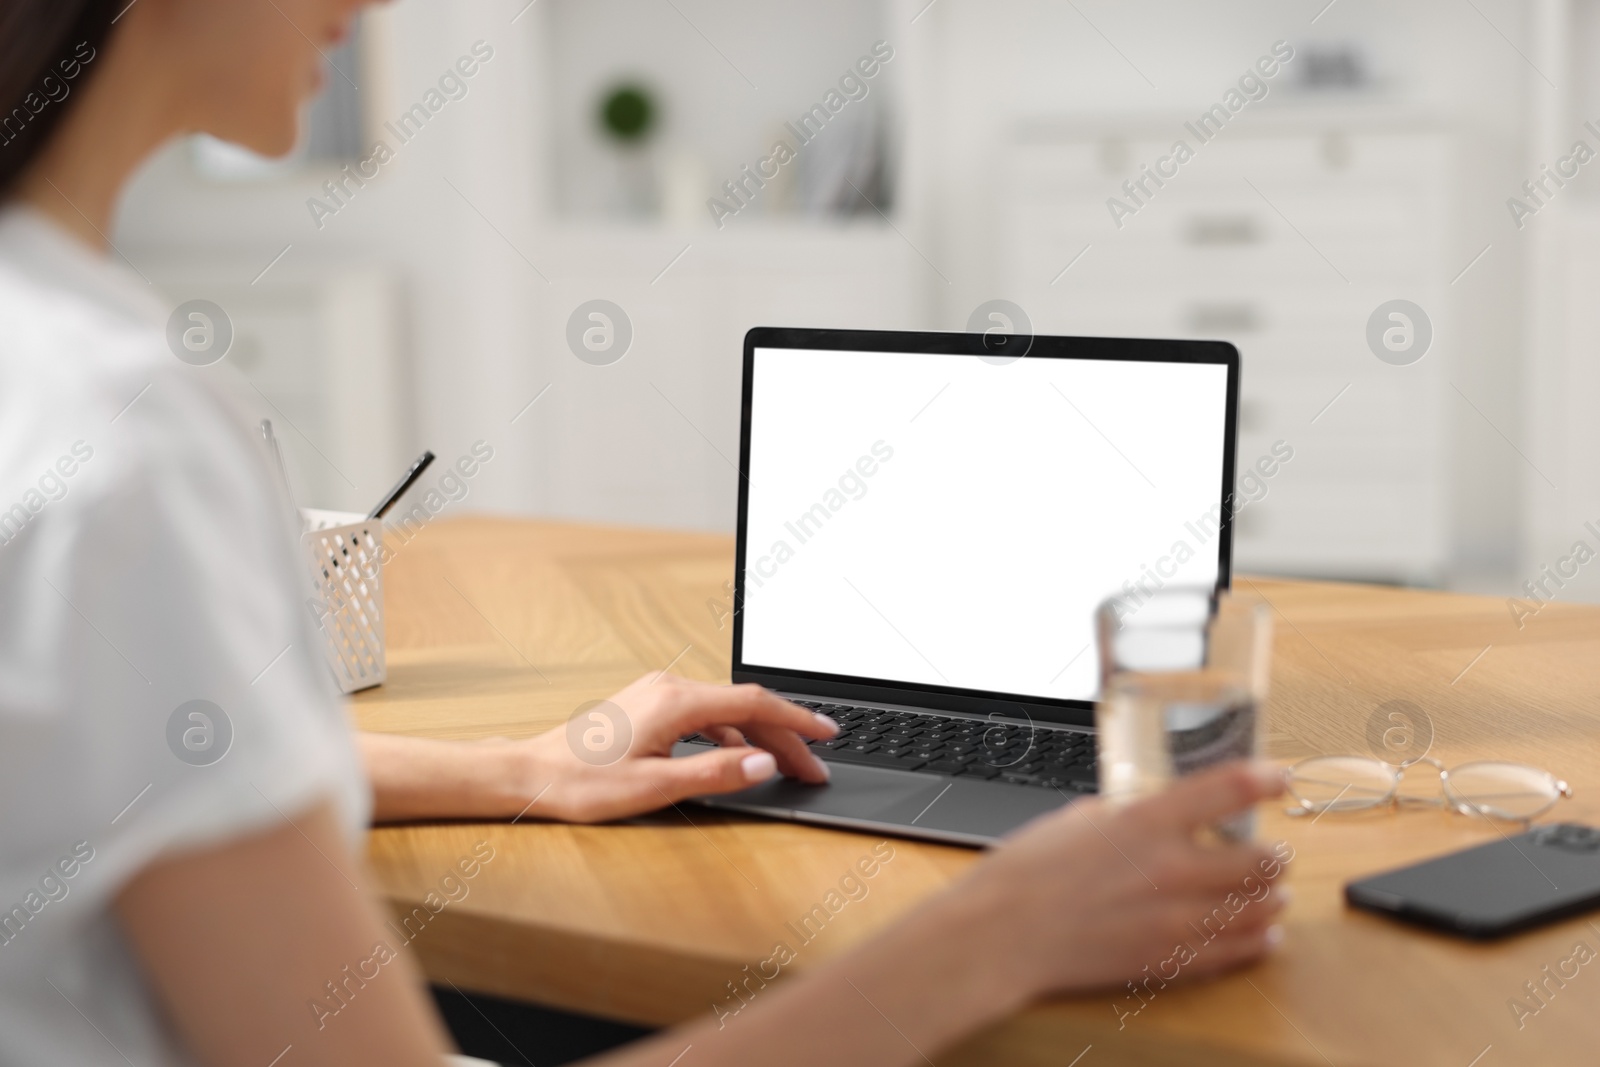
(855, 792)
(965, 810)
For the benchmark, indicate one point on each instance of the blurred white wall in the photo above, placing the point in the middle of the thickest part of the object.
(489, 235)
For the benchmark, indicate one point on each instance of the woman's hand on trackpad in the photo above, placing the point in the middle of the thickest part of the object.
(612, 759)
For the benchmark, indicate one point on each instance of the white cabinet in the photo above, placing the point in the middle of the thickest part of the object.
(1284, 244)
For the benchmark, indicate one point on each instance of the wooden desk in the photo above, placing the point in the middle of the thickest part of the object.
(504, 627)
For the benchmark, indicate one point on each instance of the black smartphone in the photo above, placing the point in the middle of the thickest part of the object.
(1548, 873)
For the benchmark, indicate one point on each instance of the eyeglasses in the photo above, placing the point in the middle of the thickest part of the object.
(1493, 788)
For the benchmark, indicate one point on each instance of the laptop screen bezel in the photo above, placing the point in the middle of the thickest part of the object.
(951, 698)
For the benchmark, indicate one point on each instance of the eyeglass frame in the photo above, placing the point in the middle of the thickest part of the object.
(1446, 799)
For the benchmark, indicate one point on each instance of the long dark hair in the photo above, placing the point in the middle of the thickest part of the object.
(48, 50)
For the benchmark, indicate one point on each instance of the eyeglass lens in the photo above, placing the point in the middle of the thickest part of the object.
(1503, 790)
(1342, 783)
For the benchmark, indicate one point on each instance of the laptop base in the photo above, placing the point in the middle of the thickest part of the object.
(953, 810)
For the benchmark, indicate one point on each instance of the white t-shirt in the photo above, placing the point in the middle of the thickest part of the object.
(147, 560)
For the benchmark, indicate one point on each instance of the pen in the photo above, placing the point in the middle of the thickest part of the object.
(400, 487)
(277, 456)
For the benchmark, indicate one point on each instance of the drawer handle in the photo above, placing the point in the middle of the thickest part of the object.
(1223, 230)
(1224, 318)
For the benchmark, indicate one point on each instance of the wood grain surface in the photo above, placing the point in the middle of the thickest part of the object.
(504, 627)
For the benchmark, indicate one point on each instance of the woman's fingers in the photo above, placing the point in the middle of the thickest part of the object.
(1247, 869)
(795, 758)
(739, 714)
(1206, 797)
(700, 705)
(726, 736)
(1230, 915)
(1234, 949)
(719, 770)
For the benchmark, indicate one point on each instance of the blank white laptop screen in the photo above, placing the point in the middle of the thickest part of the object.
(940, 520)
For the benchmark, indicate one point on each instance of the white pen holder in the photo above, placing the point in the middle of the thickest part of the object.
(345, 551)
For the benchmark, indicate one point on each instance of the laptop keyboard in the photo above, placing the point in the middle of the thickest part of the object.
(942, 744)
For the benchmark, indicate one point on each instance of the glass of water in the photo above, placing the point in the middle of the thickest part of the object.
(1183, 678)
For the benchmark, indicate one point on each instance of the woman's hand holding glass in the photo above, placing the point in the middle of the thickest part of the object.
(1096, 893)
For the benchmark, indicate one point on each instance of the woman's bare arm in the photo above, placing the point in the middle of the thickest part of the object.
(244, 942)
(1071, 904)
(615, 762)
(266, 942)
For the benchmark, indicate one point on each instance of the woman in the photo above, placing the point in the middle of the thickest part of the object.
(166, 905)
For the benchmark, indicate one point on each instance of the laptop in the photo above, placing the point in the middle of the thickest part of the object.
(926, 524)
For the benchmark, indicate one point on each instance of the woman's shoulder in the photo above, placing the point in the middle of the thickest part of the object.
(85, 366)
(64, 352)
(72, 319)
